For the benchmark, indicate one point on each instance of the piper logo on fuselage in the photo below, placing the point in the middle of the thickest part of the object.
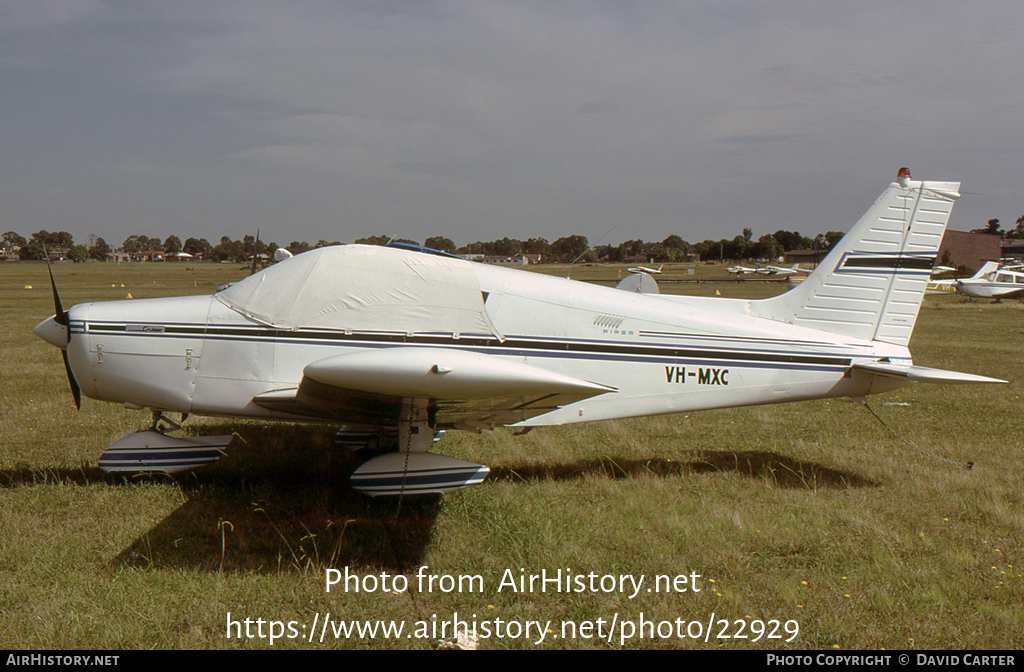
(700, 375)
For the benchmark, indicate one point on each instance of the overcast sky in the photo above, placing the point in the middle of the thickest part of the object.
(477, 120)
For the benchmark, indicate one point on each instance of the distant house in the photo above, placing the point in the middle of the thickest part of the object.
(517, 260)
(12, 253)
(149, 255)
(1012, 248)
(806, 258)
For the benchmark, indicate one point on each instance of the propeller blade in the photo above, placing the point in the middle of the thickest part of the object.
(62, 318)
(76, 392)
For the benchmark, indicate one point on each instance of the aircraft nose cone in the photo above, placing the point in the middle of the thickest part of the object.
(53, 333)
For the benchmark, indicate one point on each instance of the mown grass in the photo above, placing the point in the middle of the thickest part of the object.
(811, 512)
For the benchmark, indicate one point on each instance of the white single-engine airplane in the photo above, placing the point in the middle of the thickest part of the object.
(782, 270)
(992, 281)
(402, 344)
(644, 269)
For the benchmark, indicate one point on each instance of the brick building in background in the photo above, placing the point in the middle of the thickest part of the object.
(973, 249)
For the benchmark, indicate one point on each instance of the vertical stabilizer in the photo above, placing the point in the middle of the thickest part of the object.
(871, 284)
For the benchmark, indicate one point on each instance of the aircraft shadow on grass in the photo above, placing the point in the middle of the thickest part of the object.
(776, 469)
(280, 502)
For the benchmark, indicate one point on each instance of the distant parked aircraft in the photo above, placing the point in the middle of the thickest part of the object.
(780, 270)
(992, 282)
(644, 269)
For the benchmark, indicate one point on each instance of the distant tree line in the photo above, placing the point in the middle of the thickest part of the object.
(566, 249)
(993, 227)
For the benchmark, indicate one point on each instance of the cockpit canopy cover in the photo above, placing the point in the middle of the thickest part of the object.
(362, 288)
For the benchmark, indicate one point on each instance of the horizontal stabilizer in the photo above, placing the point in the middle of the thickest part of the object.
(416, 474)
(924, 374)
(150, 451)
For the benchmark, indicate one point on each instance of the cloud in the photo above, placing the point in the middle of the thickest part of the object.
(493, 118)
(34, 16)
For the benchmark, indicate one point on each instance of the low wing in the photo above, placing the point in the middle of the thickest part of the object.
(463, 389)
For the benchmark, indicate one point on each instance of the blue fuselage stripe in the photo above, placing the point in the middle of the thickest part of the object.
(571, 349)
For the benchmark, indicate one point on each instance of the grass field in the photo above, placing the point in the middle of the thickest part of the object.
(810, 513)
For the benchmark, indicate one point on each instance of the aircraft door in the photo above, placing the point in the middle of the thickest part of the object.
(239, 362)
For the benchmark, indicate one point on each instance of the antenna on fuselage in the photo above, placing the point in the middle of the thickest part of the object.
(589, 247)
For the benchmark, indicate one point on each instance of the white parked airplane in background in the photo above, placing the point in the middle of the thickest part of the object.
(993, 281)
(401, 343)
(782, 270)
(740, 270)
(948, 286)
(644, 269)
